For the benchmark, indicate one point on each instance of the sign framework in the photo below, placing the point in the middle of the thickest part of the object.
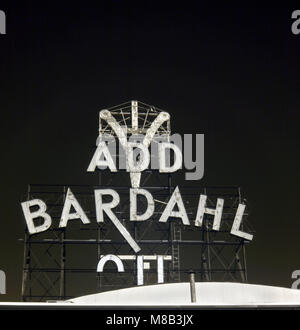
(51, 270)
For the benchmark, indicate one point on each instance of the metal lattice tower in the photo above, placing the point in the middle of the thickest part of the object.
(61, 262)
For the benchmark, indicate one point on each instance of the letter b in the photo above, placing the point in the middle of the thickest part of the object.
(40, 213)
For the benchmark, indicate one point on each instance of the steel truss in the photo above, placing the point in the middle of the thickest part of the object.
(61, 263)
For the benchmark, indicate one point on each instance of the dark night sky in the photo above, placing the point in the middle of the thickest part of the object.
(230, 72)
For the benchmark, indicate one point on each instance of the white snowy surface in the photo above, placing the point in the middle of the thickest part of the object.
(178, 294)
(207, 293)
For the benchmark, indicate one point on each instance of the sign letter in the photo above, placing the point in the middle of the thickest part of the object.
(168, 211)
(235, 230)
(203, 209)
(133, 205)
(97, 161)
(40, 213)
(106, 207)
(78, 214)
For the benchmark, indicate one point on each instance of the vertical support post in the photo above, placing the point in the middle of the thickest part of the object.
(205, 239)
(140, 270)
(62, 265)
(26, 260)
(208, 261)
(98, 256)
(174, 235)
(62, 259)
(134, 116)
(192, 286)
(239, 266)
(245, 277)
(204, 267)
(139, 262)
(245, 264)
(99, 275)
(170, 267)
(171, 274)
(160, 269)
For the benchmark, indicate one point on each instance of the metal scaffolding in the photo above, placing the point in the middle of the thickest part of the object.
(61, 263)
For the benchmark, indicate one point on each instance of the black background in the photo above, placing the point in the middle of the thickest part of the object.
(230, 71)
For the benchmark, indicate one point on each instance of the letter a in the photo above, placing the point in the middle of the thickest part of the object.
(66, 215)
(97, 161)
(181, 213)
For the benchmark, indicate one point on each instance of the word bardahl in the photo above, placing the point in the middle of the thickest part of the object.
(102, 208)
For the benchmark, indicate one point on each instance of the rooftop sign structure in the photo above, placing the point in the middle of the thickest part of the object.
(135, 141)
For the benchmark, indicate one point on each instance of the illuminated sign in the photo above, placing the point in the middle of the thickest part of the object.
(137, 158)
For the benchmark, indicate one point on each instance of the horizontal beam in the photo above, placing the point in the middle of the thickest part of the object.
(109, 241)
(126, 187)
(93, 270)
